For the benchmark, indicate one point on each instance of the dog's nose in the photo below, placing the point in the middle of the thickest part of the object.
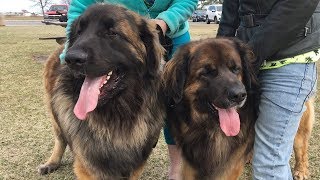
(76, 57)
(237, 94)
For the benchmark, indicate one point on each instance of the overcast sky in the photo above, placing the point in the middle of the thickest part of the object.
(18, 5)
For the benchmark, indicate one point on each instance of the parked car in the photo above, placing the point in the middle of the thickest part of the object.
(56, 12)
(199, 15)
(213, 13)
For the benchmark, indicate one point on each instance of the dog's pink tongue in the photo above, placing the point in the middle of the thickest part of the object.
(88, 98)
(229, 121)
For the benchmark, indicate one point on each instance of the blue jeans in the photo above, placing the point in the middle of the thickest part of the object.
(284, 92)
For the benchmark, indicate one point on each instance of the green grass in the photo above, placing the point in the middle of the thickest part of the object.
(26, 135)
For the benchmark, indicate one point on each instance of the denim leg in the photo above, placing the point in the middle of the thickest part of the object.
(284, 91)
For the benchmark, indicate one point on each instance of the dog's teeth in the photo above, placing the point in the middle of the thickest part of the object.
(110, 73)
(105, 81)
(108, 77)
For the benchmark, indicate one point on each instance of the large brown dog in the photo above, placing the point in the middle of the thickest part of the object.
(212, 96)
(105, 101)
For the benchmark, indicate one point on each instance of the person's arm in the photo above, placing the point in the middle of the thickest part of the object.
(77, 7)
(229, 19)
(178, 12)
(286, 19)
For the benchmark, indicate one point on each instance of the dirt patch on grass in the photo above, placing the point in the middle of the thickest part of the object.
(40, 58)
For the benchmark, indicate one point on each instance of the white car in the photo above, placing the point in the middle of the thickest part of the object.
(213, 13)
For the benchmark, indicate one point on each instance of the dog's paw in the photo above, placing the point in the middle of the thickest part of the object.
(47, 168)
(301, 174)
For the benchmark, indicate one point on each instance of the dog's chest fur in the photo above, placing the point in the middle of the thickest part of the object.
(211, 149)
(113, 133)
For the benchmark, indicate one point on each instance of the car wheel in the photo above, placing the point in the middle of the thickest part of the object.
(215, 20)
(207, 20)
(193, 20)
(63, 18)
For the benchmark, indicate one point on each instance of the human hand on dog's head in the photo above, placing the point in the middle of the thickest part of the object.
(162, 24)
(165, 41)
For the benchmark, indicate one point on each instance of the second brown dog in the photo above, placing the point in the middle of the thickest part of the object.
(212, 99)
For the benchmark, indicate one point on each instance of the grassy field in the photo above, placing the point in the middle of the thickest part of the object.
(25, 133)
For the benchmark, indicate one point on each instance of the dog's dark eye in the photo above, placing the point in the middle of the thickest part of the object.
(236, 70)
(110, 35)
(79, 31)
(82, 25)
(208, 71)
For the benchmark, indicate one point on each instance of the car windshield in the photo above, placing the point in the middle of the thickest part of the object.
(219, 8)
(200, 12)
(58, 8)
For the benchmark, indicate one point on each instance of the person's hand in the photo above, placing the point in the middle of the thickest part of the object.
(165, 41)
(162, 24)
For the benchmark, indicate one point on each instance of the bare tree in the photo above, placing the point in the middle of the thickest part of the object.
(208, 2)
(68, 2)
(42, 4)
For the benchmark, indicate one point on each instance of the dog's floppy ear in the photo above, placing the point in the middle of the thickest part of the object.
(175, 74)
(247, 60)
(74, 30)
(154, 50)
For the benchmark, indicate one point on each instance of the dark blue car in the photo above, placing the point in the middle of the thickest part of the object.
(199, 16)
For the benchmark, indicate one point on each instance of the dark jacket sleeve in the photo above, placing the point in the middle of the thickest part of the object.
(286, 19)
(229, 18)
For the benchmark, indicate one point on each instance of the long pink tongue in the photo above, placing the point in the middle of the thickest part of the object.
(88, 98)
(229, 121)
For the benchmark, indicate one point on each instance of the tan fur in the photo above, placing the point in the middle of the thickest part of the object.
(187, 172)
(137, 173)
(236, 165)
(219, 160)
(81, 171)
(49, 73)
(137, 134)
(199, 125)
(301, 142)
(108, 144)
(235, 168)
